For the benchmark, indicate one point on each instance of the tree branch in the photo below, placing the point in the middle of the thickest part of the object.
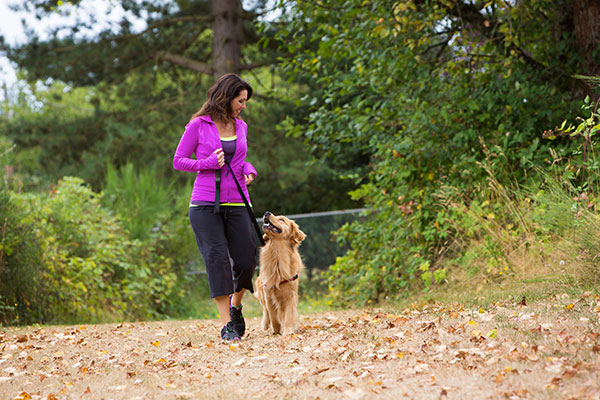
(249, 67)
(183, 61)
(194, 65)
(469, 13)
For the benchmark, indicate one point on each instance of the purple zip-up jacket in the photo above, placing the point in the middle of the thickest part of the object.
(202, 138)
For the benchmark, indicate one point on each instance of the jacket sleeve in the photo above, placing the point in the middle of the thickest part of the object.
(249, 169)
(183, 161)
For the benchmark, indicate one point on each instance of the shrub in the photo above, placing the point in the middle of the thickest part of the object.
(20, 258)
(155, 212)
(83, 265)
(140, 198)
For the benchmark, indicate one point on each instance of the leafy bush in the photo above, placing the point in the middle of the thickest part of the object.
(20, 254)
(156, 213)
(20, 259)
(140, 198)
(416, 99)
(84, 266)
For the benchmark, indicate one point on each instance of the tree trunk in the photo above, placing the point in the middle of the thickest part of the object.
(586, 21)
(227, 36)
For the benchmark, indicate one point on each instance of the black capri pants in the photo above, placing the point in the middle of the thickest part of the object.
(219, 237)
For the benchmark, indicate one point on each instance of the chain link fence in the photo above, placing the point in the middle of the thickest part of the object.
(319, 250)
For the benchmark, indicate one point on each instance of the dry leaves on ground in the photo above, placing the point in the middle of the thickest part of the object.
(506, 351)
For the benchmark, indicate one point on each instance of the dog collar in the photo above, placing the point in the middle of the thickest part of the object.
(289, 280)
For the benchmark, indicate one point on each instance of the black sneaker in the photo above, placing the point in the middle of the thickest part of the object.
(228, 333)
(237, 320)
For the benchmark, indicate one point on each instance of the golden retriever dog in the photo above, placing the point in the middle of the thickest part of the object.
(280, 266)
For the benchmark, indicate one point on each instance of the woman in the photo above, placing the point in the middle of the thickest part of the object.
(217, 214)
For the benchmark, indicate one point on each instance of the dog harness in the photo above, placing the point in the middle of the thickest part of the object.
(289, 280)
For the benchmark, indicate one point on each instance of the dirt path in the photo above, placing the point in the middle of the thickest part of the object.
(543, 351)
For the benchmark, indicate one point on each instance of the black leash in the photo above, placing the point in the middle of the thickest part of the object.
(248, 208)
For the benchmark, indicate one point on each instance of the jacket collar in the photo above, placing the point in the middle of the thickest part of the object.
(208, 119)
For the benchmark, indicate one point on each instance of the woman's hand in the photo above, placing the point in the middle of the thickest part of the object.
(249, 178)
(220, 157)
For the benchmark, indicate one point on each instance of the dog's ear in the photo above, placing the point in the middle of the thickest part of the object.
(297, 235)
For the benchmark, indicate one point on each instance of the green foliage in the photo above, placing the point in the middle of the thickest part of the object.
(417, 96)
(140, 199)
(19, 253)
(140, 123)
(79, 130)
(125, 104)
(20, 258)
(81, 59)
(546, 231)
(290, 180)
(582, 165)
(82, 265)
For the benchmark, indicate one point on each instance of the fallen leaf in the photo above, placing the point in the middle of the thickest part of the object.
(321, 370)
(239, 362)
(426, 325)
(523, 302)
(569, 372)
(499, 377)
(22, 339)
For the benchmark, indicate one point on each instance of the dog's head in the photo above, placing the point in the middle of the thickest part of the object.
(283, 228)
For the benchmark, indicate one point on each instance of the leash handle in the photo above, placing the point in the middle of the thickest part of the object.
(248, 208)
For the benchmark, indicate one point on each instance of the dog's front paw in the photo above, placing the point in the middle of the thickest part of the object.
(265, 322)
(264, 325)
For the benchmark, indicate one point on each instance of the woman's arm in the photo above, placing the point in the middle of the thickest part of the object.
(183, 161)
(249, 169)
(249, 172)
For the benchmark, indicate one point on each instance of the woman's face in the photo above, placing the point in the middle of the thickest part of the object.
(239, 103)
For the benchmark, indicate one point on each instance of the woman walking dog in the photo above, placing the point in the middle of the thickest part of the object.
(217, 214)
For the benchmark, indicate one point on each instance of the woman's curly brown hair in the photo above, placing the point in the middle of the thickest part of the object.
(218, 99)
